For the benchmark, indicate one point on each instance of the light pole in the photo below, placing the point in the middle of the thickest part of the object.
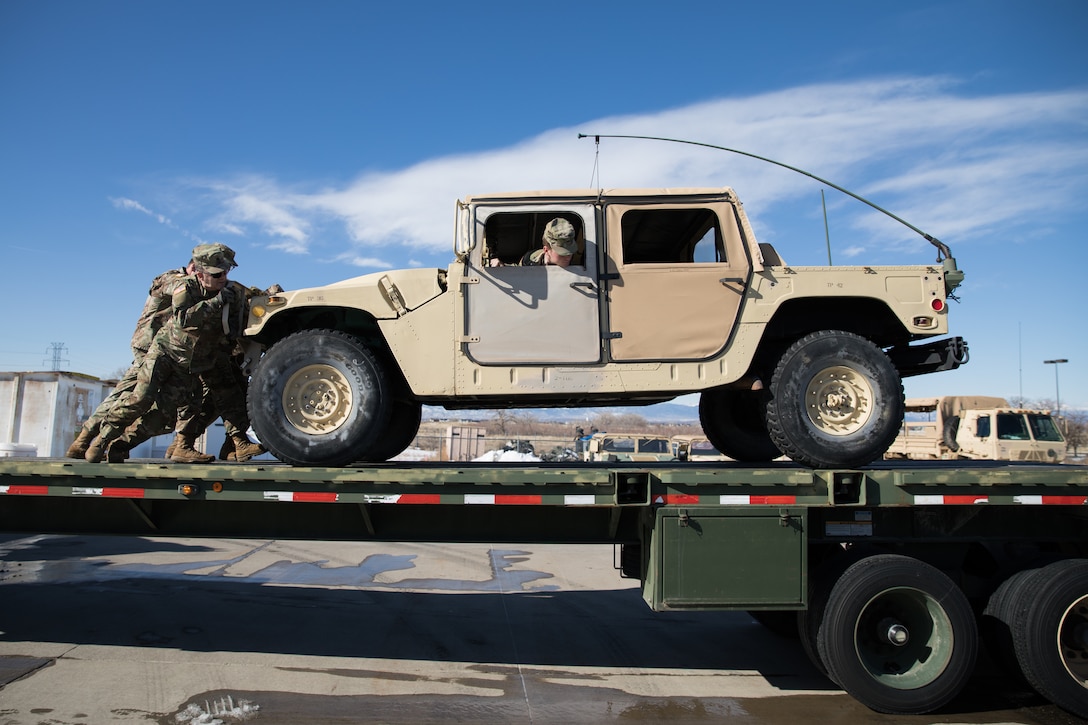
(1057, 391)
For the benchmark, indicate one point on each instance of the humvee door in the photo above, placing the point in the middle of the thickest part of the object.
(525, 315)
(677, 275)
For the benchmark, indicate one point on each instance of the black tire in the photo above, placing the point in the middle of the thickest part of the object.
(836, 401)
(1050, 634)
(884, 597)
(822, 578)
(951, 430)
(404, 419)
(782, 622)
(733, 421)
(317, 398)
(995, 625)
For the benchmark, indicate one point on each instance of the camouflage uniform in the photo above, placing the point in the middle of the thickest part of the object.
(185, 346)
(224, 386)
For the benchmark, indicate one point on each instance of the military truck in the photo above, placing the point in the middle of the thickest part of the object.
(668, 293)
(977, 427)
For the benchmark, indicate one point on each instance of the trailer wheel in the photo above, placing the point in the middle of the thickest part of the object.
(1051, 636)
(836, 401)
(995, 625)
(318, 397)
(733, 421)
(898, 635)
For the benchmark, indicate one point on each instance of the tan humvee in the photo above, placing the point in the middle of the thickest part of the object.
(978, 427)
(669, 293)
(615, 447)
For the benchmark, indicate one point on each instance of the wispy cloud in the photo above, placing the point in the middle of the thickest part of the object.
(962, 164)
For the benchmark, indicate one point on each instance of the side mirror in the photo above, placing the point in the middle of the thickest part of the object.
(463, 241)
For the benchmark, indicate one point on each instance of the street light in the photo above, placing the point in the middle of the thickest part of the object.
(1057, 393)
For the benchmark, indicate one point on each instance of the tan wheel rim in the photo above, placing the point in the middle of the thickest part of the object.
(317, 399)
(839, 401)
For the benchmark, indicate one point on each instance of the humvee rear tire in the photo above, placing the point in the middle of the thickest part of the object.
(836, 401)
(404, 419)
(733, 420)
(318, 397)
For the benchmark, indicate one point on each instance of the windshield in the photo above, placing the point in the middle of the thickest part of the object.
(1011, 427)
(1043, 427)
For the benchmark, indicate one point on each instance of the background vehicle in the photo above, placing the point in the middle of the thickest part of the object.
(696, 449)
(615, 447)
(669, 293)
(975, 426)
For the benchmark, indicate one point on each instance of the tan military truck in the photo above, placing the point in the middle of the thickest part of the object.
(979, 427)
(668, 293)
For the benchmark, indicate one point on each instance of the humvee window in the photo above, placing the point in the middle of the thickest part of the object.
(509, 235)
(671, 236)
(653, 445)
(619, 445)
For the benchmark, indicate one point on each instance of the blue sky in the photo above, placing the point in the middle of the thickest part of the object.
(322, 140)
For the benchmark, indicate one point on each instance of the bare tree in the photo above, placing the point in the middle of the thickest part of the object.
(1075, 429)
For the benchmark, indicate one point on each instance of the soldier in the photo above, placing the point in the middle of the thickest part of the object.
(224, 387)
(186, 346)
(559, 246)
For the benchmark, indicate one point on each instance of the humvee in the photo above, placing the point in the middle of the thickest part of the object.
(615, 447)
(668, 293)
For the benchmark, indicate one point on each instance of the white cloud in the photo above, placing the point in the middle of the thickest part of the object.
(962, 165)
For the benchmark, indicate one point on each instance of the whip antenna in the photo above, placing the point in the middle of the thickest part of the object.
(942, 248)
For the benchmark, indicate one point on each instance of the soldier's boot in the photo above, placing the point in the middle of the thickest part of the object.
(78, 449)
(170, 449)
(96, 451)
(244, 448)
(226, 451)
(117, 452)
(185, 452)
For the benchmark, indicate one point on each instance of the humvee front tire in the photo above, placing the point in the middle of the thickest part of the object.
(733, 420)
(318, 398)
(836, 401)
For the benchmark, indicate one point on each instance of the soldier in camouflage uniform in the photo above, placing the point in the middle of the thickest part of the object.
(186, 346)
(559, 246)
(156, 310)
(224, 387)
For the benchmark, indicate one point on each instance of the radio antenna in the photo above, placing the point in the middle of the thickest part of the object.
(942, 249)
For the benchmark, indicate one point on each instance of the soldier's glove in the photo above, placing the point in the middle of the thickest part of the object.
(225, 296)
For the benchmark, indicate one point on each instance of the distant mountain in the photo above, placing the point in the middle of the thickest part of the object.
(657, 413)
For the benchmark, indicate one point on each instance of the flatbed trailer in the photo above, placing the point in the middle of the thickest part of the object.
(891, 574)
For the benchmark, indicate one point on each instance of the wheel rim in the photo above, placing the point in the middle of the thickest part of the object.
(904, 638)
(317, 399)
(839, 400)
(1073, 640)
